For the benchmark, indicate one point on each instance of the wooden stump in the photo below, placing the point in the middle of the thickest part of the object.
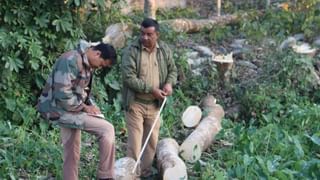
(224, 65)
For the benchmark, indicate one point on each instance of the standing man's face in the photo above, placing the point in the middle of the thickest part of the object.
(149, 37)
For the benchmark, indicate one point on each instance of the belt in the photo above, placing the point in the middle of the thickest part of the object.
(145, 101)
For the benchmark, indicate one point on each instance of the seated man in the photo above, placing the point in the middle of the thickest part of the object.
(65, 101)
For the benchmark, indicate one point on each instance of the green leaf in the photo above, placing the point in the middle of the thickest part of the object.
(100, 3)
(77, 2)
(114, 85)
(298, 150)
(271, 167)
(10, 104)
(13, 64)
(219, 175)
(315, 138)
(247, 160)
(42, 21)
(35, 49)
(34, 64)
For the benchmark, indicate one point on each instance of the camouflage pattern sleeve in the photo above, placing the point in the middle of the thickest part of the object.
(66, 96)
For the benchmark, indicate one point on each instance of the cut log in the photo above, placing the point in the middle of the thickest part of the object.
(123, 169)
(202, 137)
(196, 25)
(117, 34)
(170, 165)
(191, 116)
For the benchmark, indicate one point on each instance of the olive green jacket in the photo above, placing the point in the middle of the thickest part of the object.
(131, 67)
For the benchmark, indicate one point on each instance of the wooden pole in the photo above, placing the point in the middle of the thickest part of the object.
(219, 7)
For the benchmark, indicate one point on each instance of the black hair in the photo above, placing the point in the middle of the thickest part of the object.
(149, 22)
(107, 52)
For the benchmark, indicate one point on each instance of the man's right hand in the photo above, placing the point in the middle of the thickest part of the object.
(92, 109)
(158, 93)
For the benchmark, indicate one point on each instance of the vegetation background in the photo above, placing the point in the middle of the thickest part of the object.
(275, 134)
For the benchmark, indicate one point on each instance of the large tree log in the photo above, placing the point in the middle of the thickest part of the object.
(191, 116)
(123, 169)
(202, 137)
(117, 34)
(196, 25)
(170, 165)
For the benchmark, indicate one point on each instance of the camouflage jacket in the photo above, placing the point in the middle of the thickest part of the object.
(131, 68)
(66, 88)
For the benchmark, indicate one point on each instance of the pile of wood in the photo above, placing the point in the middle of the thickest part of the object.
(207, 123)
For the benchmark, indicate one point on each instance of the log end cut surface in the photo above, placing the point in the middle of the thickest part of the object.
(191, 116)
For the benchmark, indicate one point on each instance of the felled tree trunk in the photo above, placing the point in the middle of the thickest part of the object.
(123, 169)
(195, 25)
(191, 116)
(202, 137)
(117, 34)
(170, 165)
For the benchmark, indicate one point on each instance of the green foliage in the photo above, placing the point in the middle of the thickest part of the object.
(287, 79)
(96, 22)
(277, 136)
(219, 33)
(27, 154)
(176, 13)
(282, 23)
(272, 151)
(32, 33)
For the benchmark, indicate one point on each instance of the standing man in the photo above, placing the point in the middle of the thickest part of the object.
(148, 73)
(65, 101)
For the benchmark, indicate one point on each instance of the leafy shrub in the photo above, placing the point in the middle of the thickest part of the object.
(287, 78)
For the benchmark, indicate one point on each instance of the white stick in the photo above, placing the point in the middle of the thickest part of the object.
(219, 7)
(148, 137)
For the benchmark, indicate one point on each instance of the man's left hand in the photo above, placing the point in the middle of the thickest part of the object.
(167, 88)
